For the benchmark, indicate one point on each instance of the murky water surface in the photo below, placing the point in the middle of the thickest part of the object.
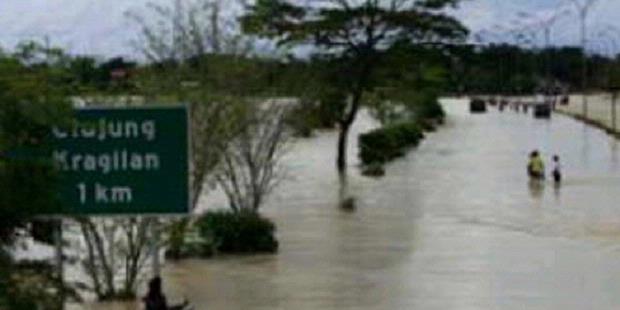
(454, 225)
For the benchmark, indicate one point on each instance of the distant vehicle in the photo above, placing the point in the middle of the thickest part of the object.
(542, 110)
(503, 103)
(477, 105)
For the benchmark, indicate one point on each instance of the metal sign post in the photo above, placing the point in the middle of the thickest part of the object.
(614, 97)
(60, 270)
(156, 264)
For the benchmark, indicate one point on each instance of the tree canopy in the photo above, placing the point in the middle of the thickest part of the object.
(30, 104)
(360, 36)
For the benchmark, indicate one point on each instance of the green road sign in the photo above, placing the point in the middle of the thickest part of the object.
(124, 161)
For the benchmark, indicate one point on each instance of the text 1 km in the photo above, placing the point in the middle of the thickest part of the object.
(101, 194)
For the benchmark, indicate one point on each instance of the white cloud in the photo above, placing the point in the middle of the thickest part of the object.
(477, 14)
(100, 26)
(91, 26)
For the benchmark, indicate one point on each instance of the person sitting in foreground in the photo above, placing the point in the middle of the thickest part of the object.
(155, 299)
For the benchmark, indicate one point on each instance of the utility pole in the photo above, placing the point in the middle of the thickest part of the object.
(546, 23)
(609, 48)
(612, 77)
(155, 250)
(523, 37)
(480, 38)
(548, 57)
(614, 97)
(60, 270)
(517, 62)
(583, 10)
(584, 63)
(512, 54)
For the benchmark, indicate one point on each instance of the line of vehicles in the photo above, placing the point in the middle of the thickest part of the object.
(541, 105)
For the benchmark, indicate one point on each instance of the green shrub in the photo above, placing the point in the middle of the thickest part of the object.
(431, 110)
(425, 106)
(303, 119)
(176, 238)
(332, 103)
(422, 113)
(31, 285)
(386, 143)
(192, 245)
(185, 241)
(429, 125)
(238, 232)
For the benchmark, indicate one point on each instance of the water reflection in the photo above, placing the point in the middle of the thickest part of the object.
(557, 191)
(613, 142)
(585, 143)
(536, 188)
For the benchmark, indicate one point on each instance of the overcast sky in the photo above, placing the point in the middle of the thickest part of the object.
(100, 27)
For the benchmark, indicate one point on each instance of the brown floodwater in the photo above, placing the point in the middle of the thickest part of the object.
(453, 225)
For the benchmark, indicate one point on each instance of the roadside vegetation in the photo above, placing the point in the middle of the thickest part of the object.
(246, 107)
(404, 127)
(507, 69)
(29, 106)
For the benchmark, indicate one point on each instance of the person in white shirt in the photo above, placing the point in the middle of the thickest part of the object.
(556, 172)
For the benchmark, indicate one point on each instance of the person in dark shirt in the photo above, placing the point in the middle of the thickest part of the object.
(155, 299)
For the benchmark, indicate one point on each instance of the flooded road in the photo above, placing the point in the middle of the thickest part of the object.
(453, 225)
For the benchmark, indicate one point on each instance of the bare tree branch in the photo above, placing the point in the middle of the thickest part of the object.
(249, 169)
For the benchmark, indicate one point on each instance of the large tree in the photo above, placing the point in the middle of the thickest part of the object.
(31, 102)
(357, 35)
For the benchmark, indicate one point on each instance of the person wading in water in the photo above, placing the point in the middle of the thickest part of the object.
(536, 166)
(557, 172)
